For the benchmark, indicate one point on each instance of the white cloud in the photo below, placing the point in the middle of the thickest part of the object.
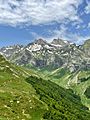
(87, 8)
(88, 25)
(15, 12)
(64, 34)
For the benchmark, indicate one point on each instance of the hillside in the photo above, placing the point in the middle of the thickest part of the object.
(78, 81)
(60, 61)
(62, 104)
(33, 98)
(18, 100)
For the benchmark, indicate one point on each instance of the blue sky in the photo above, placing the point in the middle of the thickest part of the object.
(23, 21)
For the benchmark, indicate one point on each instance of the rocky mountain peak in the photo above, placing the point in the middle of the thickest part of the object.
(10, 50)
(60, 42)
(86, 47)
(37, 42)
(87, 43)
(40, 42)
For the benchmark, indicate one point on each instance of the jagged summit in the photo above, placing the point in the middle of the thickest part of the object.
(58, 53)
(54, 42)
(60, 42)
(40, 41)
(87, 44)
(9, 50)
(86, 47)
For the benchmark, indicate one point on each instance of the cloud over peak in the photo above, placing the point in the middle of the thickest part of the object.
(35, 12)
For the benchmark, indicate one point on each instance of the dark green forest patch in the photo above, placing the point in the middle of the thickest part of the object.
(87, 92)
(62, 104)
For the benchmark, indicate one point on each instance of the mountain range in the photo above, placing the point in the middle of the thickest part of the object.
(58, 53)
(37, 76)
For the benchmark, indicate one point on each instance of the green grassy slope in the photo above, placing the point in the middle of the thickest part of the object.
(62, 104)
(83, 83)
(35, 98)
(78, 81)
(18, 100)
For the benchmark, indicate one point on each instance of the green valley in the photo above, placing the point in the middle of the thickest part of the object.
(44, 81)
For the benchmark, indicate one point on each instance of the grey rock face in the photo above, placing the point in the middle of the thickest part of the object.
(58, 53)
(10, 50)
